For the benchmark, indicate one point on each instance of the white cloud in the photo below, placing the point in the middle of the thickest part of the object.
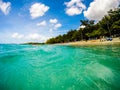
(99, 8)
(34, 37)
(53, 21)
(74, 7)
(82, 26)
(38, 10)
(43, 23)
(17, 36)
(54, 24)
(50, 30)
(73, 11)
(57, 26)
(5, 7)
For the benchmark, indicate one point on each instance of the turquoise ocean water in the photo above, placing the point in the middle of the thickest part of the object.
(52, 67)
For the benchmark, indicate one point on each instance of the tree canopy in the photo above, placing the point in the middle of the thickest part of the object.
(108, 26)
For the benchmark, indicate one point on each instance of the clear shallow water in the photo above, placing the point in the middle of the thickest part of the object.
(26, 67)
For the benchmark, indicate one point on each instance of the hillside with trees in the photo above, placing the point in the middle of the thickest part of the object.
(108, 26)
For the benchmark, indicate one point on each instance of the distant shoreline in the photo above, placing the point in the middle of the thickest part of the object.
(115, 41)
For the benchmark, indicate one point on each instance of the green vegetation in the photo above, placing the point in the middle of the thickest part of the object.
(108, 26)
(33, 43)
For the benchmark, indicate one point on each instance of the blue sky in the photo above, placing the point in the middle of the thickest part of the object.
(37, 20)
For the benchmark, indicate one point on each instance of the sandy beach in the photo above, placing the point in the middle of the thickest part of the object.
(115, 41)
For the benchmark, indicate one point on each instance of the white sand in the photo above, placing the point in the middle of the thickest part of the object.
(115, 41)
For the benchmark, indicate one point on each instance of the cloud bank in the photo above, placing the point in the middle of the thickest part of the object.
(29, 37)
(99, 8)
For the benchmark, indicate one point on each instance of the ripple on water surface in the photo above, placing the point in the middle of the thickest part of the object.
(47, 67)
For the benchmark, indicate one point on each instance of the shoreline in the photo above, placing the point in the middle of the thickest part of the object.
(115, 41)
